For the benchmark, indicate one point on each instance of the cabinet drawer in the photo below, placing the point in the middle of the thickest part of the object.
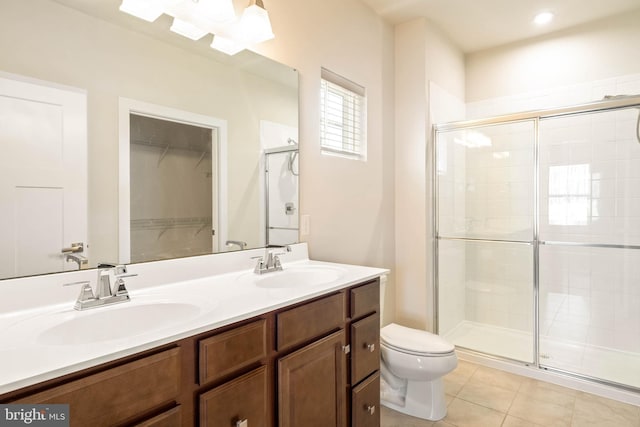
(365, 403)
(112, 396)
(310, 321)
(245, 398)
(365, 348)
(365, 299)
(170, 418)
(229, 351)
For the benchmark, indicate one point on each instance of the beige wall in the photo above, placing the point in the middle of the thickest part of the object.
(423, 55)
(605, 49)
(350, 203)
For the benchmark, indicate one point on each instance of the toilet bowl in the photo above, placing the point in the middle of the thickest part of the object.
(413, 364)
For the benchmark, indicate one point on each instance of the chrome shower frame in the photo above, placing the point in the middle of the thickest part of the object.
(608, 104)
(279, 150)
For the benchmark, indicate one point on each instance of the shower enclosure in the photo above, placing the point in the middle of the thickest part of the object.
(281, 194)
(537, 238)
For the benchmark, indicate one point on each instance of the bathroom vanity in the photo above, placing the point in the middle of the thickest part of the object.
(308, 357)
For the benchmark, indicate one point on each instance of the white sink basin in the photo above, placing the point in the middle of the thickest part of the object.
(302, 276)
(116, 322)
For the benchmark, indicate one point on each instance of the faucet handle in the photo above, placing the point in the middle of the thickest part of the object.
(86, 291)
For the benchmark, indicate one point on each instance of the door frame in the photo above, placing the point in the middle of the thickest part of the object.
(126, 107)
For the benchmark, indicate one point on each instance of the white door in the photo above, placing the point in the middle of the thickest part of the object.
(43, 176)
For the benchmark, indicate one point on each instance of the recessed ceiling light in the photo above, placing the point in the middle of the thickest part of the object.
(543, 18)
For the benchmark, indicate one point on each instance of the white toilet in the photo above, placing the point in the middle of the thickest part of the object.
(413, 364)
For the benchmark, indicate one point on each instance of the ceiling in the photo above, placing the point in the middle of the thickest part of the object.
(480, 24)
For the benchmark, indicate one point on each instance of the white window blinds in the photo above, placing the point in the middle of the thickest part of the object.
(342, 116)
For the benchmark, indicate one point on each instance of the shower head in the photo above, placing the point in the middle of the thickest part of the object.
(292, 141)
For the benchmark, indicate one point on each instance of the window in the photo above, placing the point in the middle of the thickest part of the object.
(342, 117)
(569, 194)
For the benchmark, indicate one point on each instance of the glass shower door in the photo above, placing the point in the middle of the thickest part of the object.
(485, 233)
(590, 245)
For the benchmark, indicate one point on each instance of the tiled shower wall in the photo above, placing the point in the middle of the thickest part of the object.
(589, 192)
(561, 96)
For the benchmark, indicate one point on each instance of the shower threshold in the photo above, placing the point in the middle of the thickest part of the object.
(608, 364)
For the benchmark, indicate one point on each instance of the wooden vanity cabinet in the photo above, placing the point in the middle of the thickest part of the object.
(241, 400)
(312, 384)
(365, 354)
(312, 364)
(365, 402)
(120, 394)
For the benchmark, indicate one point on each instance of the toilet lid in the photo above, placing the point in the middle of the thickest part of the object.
(414, 340)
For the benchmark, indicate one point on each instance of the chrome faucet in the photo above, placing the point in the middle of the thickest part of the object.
(72, 254)
(111, 288)
(271, 260)
(239, 243)
(82, 261)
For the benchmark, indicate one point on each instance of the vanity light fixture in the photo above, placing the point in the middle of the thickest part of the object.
(195, 19)
(226, 45)
(255, 26)
(543, 18)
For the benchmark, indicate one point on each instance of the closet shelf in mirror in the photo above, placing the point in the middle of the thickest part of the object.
(164, 224)
(200, 146)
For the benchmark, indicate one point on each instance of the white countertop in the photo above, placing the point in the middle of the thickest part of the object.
(213, 296)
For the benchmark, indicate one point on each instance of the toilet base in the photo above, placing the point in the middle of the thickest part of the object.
(424, 399)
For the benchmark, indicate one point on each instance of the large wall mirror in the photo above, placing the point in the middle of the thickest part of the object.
(130, 143)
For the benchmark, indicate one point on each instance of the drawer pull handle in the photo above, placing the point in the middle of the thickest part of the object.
(242, 423)
(371, 409)
(346, 349)
(371, 347)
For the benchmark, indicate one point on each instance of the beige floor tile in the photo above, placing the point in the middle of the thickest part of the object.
(455, 380)
(486, 395)
(466, 414)
(391, 418)
(593, 410)
(465, 369)
(511, 421)
(448, 399)
(452, 386)
(540, 412)
(497, 378)
(548, 392)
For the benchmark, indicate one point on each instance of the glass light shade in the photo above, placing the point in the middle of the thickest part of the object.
(225, 45)
(205, 14)
(143, 9)
(187, 29)
(216, 11)
(255, 26)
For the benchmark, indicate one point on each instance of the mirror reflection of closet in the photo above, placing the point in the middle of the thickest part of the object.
(173, 189)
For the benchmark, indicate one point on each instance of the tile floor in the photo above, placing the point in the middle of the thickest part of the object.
(478, 396)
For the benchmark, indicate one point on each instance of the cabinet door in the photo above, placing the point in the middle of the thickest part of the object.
(312, 384)
(365, 348)
(111, 397)
(365, 403)
(242, 401)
